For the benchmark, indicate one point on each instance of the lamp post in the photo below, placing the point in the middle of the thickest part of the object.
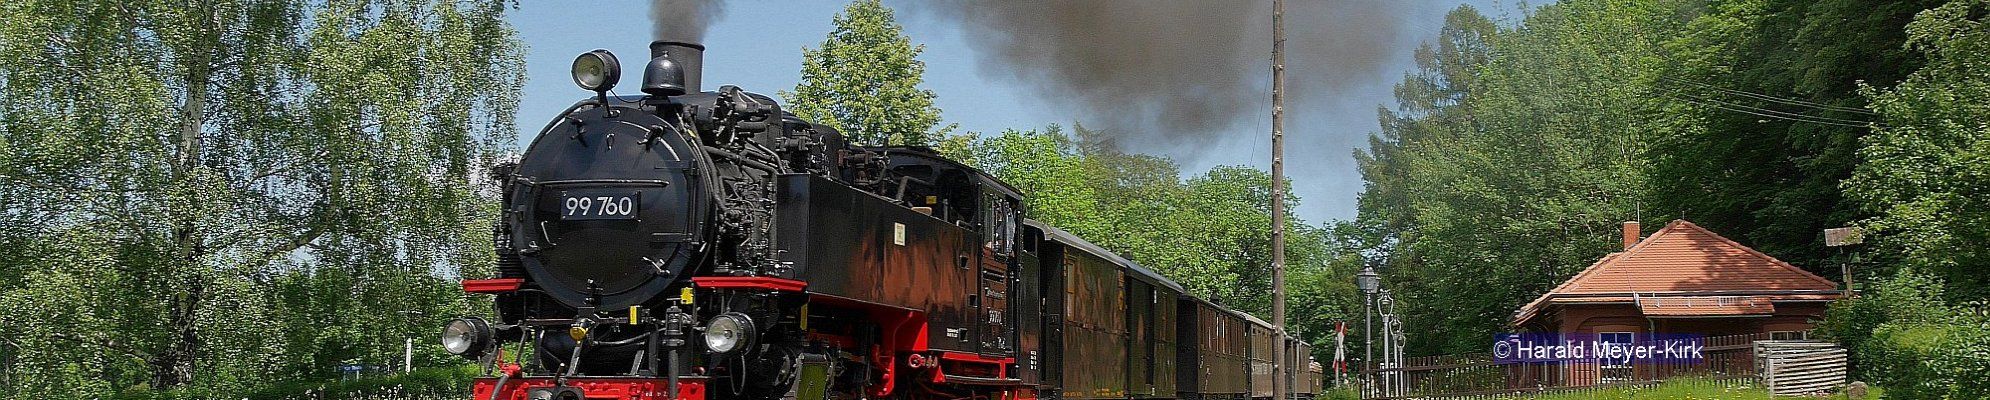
(1369, 283)
(1386, 305)
(1392, 345)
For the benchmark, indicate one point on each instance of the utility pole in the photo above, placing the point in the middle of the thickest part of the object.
(1278, 385)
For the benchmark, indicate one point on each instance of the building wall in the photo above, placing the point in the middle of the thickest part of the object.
(1594, 318)
(1597, 318)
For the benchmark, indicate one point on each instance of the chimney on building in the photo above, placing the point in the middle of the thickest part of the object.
(1630, 234)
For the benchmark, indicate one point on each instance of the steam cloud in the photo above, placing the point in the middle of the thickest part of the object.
(683, 20)
(1166, 75)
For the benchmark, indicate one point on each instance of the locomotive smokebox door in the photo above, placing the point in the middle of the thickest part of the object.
(609, 206)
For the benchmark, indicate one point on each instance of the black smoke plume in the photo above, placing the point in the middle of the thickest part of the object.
(683, 20)
(1167, 75)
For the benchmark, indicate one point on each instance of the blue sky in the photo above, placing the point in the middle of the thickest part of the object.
(757, 45)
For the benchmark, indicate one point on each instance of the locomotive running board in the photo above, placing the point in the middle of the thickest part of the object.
(502, 285)
(749, 282)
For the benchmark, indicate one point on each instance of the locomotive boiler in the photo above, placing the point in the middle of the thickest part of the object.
(693, 244)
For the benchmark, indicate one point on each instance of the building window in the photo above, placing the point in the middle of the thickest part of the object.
(1615, 370)
(1789, 335)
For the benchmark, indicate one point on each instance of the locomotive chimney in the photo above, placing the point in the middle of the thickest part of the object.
(688, 59)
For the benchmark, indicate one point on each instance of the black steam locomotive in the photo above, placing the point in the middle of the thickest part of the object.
(689, 244)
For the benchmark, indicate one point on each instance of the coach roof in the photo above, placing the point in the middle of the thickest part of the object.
(1072, 240)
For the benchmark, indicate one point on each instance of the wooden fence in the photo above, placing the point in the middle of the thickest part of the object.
(1792, 367)
(1725, 360)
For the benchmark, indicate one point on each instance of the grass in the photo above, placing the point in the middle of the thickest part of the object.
(1688, 389)
(1679, 389)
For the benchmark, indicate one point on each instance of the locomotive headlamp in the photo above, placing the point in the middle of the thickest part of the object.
(597, 71)
(469, 337)
(728, 332)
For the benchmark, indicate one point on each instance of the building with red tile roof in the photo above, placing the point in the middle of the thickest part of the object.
(1682, 279)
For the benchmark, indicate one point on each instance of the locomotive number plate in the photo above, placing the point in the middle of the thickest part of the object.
(600, 204)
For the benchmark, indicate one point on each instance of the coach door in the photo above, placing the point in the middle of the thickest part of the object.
(1026, 308)
(1140, 360)
(1055, 294)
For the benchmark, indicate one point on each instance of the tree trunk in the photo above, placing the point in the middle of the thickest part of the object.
(187, 280)
(174, 366)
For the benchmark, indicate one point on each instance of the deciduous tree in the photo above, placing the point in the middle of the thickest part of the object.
(169, 167)
(1926, 174)
(864, 80)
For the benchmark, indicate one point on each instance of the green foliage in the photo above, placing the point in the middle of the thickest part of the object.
(1925, 180)
(427, 383)
(1515, 154)
(1040, 164)
(1904, 336)
(864, 80)
(1737, 162)
(217, 195)
(1515, 150)
(1909, 297)
(1343, 392)
(1926, 175)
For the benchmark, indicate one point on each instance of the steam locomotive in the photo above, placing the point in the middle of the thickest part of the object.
(690, 244)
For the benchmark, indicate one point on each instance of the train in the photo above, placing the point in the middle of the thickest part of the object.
(707, 244)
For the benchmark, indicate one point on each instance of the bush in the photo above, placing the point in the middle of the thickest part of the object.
(1907, 297)
(428, 383)
(1342, 392)
(1902, 335)
(1931, 361)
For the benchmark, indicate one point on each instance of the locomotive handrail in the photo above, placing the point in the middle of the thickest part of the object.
(658, 182)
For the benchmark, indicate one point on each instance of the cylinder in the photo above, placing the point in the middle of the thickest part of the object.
(687, 55)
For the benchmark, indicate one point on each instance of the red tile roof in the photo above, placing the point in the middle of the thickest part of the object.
(1683, 259)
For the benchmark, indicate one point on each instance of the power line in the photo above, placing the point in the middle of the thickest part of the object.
(1775, 99)
(1659, 50)
(1787, 113)
(1767, 113)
